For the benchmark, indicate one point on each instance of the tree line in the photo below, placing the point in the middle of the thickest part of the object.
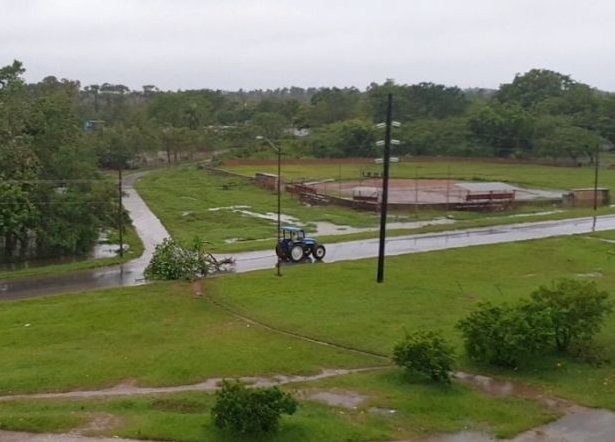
(53, 199)
(539, 114)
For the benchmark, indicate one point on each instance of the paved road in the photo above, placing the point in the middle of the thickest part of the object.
(152, 232)
(427, 242)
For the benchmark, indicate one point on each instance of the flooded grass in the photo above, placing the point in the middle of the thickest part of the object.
(131, 240)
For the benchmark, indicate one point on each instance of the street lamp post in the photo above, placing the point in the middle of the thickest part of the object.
(279, 192)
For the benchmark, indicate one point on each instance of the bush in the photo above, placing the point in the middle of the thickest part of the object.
(576, 309)
(426, 353)
(250, 411)
(505, 335)
(171, 261)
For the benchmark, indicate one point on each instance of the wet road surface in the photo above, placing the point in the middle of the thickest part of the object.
(152, 232)
(427, 242)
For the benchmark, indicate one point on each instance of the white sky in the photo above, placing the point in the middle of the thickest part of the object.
(232, 44)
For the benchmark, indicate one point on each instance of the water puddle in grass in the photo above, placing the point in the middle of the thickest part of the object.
(271, 216)
(327, 228)
(102, 249)
(342, 399)
(578, 423)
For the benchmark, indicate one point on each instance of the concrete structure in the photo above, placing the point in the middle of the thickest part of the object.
(585, 197)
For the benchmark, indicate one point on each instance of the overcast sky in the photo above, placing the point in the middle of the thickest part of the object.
(232, 44)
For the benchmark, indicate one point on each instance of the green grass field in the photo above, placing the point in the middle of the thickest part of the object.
(188, 202)
(420, 409)
(161, 335)
(182, 199)
(342, 303)
(529, 175)
(155, 335)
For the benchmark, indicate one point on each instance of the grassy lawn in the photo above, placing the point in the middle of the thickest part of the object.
(155, 335)
(134, 251)
(523, 174)
(343, 303)
(420, 409)
(161, 335)
(183, 199)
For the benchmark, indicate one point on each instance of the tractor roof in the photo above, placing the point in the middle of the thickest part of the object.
(292, 229)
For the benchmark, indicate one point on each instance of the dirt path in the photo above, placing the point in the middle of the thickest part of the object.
(14, 436)
(210, 385)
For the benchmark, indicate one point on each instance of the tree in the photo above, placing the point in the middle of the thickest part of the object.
(190, 109)
(507, 129)
(426, 353)
(423, 100)
(433, 136)
(353, 138)
(178, 140)
(270, 124)
(570, 141)
(533, 87)
(576, 309)
(250, 411)
(330, 105)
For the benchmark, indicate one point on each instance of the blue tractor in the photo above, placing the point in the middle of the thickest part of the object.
(295, 246)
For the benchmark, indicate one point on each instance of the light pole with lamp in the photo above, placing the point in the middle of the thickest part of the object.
(279, 179)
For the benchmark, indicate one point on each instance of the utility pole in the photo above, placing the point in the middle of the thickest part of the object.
(120, 217)
(596, 162)
(385, 183)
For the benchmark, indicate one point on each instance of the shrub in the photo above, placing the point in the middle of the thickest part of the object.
(426, 353)
(250, 411)
(171, 261)
(576, 309)
(505, 335)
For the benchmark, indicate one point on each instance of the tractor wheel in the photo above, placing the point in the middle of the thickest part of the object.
(296, 253)
(319, 252)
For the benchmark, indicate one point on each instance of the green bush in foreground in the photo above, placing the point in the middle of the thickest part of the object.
(505, 335)
(577, 310)
(426, 353)
(250, 411)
